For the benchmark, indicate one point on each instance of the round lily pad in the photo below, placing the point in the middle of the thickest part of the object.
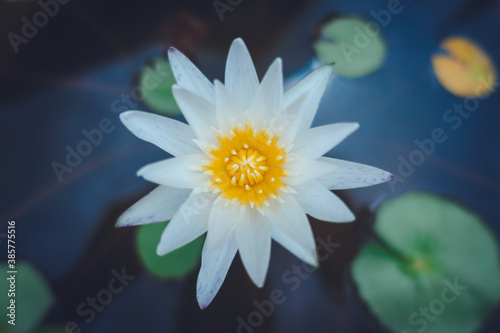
(172, 265)
(353, 44)
(437, 268)
(464, 69)
(31, 293)
(155, 84)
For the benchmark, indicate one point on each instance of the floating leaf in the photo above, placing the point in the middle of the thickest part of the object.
(175, 264)
(437, 270)
(155, 83)
(465, 70)
(33, 298)
(354, 45)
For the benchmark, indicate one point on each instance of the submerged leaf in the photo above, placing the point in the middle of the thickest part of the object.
(31, 293)
(155, 84)
(437, 269)
(172, 265)
(354, 45)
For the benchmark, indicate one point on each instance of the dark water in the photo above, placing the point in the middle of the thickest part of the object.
(72, 75)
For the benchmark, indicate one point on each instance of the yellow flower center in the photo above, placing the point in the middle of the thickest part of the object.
(246, 167)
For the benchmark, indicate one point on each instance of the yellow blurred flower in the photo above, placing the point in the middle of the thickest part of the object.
(465, 70)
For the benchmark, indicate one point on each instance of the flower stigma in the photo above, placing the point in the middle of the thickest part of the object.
(247, 166)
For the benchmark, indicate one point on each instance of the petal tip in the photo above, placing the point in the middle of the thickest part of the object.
(312, 260)
(124, 116)
(387, 176)
(140, 172)
(239, 40)
(176, 88)
(218, 83)
(258, 278)
(202, 303)
(350, 216)
(160, 251)
(259, 284)
(313, 263)
(119, 224)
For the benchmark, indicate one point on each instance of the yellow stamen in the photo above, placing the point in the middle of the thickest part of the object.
(246, 166)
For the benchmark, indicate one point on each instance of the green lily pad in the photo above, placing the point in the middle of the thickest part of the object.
(353, 44)
(33, 298)
(172, 265)
(437, 270)
(155, 84)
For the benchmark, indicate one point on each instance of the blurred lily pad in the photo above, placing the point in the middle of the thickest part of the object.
(436, 270)
(32, 295)
(155, 84)
(172, 265)
(464, 70)
(353, 44)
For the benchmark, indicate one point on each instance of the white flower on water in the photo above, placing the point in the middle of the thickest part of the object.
(247, 168)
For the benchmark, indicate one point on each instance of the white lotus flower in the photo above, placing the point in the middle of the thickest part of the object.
(247, 169)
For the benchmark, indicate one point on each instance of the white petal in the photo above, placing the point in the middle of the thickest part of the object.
(182, 172)
(304, 253)
(287, 122)
(351, 175)
(322, 204)
(187, 224)
(253, 235)
(199, 113)
(302, 169)
(222, 221)
(241, 79)
(315, 83)
(189, 77)
(291, 220)
(170, 135)
(228, 111)
(315, 142)
(214, 266)
(268, 99)
(158, 205)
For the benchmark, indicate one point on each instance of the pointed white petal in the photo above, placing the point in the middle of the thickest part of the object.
(322, 204)
(287, 122)
(268, 99)
(181, 172)
(187, 224)
(351, 175)
(314, 142)
(302, 169)
(315, 83)
(199, 113)
(291, 220)
(304, 253)
(214, 266)
(170, 135)
(222, 221)
(228, 111)
(253, 235)
(241, 79)
(189, 77)
(157, 206)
